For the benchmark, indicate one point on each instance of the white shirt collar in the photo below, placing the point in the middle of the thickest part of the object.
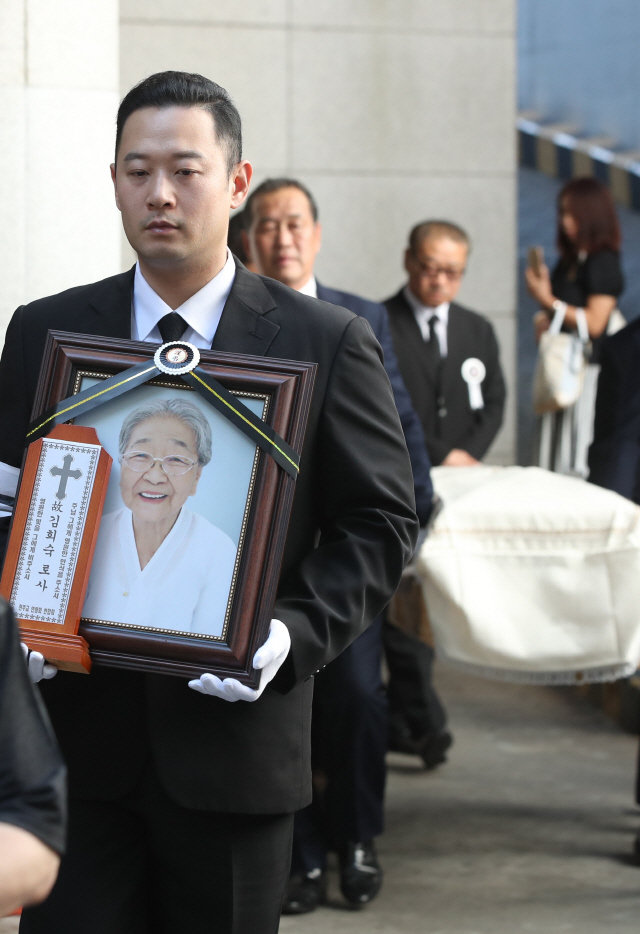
(202, 311)
(423, 314)
(310, 288)
(441, 311)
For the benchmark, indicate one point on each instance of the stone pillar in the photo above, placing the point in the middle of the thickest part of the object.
(58, 101)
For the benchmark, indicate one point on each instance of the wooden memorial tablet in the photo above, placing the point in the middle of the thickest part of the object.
(52, 540)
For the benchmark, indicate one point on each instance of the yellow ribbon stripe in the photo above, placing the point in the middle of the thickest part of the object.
(89, 399)
(244, 419)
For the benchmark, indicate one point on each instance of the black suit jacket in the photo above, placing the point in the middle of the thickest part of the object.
(352, 529)
(468, 335)
(378, 318)
(614, 456)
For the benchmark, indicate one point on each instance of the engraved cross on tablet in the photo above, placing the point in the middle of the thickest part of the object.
(65, 472)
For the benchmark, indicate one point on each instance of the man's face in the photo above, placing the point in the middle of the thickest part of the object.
(436, 269)
(173, 187)
(283, 239)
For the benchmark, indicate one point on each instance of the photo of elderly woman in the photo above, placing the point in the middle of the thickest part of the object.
(157, 564)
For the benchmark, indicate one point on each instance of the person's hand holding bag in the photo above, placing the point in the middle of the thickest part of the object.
(268, 659)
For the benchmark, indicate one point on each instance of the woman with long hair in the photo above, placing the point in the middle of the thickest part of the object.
(583, 289)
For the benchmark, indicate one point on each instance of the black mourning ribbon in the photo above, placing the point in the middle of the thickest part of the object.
(172, 327)
(209, 388)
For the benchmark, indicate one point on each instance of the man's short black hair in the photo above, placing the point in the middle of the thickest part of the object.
(181, 89)
(277, 184)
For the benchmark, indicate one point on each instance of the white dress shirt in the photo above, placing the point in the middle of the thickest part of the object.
(423, 315)
(310, 288)
(202, 311)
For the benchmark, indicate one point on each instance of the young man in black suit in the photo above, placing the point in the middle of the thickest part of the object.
(182, 801)
(448, 355)
(282, 237)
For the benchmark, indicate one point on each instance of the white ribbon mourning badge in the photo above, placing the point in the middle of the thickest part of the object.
(473, 373)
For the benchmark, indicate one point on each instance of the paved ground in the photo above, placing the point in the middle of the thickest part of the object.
(526, 829)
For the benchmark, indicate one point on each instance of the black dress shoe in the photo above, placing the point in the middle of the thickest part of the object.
(401, 740)
(304, 893)
(433, 748)
(360, 873)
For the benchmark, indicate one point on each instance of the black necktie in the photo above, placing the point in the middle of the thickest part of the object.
(434, 343)
(172, 327)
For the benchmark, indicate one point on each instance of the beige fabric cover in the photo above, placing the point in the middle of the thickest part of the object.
(533, 576)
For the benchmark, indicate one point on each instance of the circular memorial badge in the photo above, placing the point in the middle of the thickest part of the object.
(473, 371)
(177, 357)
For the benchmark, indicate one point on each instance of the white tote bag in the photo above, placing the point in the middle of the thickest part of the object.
(532, 576)
(561, 363)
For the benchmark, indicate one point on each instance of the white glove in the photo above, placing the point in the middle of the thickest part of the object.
(268, 659)
(36, 665)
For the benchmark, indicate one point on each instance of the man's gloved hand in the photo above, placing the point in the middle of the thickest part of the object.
(37, 668)
(268, 659)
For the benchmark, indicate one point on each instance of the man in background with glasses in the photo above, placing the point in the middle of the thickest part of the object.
(450, 364)
(448, 355)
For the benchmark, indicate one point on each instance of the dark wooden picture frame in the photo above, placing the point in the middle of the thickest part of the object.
(288, 386)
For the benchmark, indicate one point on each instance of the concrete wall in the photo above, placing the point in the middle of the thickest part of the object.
(390, 110)
(58, 95)
(578, 63)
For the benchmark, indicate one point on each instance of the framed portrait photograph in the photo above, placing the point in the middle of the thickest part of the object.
(190, 542)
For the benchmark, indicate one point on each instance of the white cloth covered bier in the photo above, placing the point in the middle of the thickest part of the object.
(533, 576)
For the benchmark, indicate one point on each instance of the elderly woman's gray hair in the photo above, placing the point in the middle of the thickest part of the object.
(187, 412)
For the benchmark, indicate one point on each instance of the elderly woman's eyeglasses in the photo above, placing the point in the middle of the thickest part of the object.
(174, 465)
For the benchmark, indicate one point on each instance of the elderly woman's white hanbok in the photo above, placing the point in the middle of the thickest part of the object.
(184, 587)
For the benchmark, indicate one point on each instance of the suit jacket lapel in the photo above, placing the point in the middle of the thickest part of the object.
(113, 305)
(410, 334)
(456, 354)
(243, 327)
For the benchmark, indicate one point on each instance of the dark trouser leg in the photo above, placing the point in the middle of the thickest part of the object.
(349, 739)
(309, 841)
(146, 865)
(102, 884)
(412, 698)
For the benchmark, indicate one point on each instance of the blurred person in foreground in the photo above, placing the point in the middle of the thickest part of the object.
(584, 286)
(32, 781)
(448, 355)
(282, 238)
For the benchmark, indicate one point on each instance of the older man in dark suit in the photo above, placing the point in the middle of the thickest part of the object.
(182, 801)
(282, 237)
(448, 355)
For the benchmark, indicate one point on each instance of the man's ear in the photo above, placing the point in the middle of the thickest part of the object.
(112, 167)
(240, 182)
